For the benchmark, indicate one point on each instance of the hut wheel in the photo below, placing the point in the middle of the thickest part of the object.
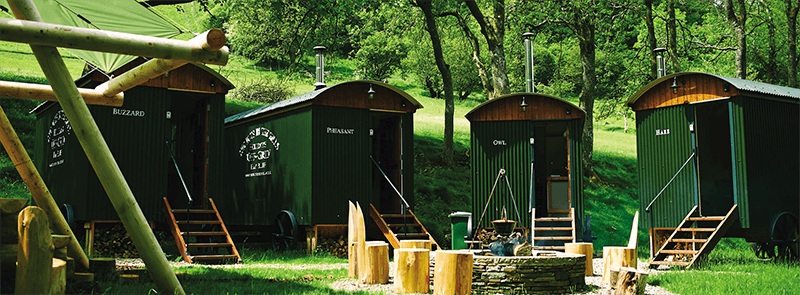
(288, 233)
(765, 250)
(785, 234)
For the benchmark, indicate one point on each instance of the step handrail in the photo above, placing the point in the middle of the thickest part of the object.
(390, 182)
(670, 182)
(188, 195)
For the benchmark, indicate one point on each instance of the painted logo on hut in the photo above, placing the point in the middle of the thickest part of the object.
(57, 138)
(256, 149)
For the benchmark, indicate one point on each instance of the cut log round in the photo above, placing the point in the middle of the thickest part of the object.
(584, 249)
(83, 277)
(631, 282)
(35, 253)
(616, 257)
(12, 206)
(58, 277)
(412, 274)
(377, 261)
(104, 269)
(416, 244)
(452, 273)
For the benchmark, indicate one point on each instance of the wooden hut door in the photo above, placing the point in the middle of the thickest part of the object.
(387, 151)
(187, 139)
(714, 166)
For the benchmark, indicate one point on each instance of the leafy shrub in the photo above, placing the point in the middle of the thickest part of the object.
(265, 92)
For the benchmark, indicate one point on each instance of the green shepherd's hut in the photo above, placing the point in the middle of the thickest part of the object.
(296, 163)
(182, 110)
(535, 139)
(718, 156)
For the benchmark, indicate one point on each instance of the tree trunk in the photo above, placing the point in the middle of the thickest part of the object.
(447, 80)
(673, 38)
(737, 22)
(791, 23)
(651, 37)
(494, 31)
(585, 29)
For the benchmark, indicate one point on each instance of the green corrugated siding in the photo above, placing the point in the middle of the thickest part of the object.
(256, 199)
(488, 156)
(342, 168)
(65, 181)
(576, 172)
(739, 160)
(408, 159)
(772, 141)
(659, 158)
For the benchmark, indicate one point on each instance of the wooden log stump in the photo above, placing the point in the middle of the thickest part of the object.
(452, 273)
(35, 253)
(352, 263)
(58, 276)
(60, 243)
(412, 274)
(616, 257)
(104, 269)
(585, 249)
(377, 261)
(615, 274)
(83, 277)
(128, 278)
(415, 244)
(631, 282)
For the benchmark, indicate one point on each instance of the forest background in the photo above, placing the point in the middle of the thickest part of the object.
(595, 53)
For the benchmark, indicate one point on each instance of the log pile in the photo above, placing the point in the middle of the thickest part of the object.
(336, 246)
(113, 241)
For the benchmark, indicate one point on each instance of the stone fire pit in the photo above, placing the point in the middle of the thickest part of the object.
(543, 272)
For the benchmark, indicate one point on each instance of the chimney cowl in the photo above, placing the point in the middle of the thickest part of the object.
(320, 61)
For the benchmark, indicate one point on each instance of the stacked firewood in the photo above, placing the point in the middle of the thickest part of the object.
(335, 246)
(113, 241)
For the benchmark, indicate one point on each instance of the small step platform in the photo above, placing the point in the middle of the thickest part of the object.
(208, 235)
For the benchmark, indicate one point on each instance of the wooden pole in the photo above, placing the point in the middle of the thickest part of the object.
(352, 263)
(50, 35)
(412, 273)
(100, 157)
(210, 40)
(616, 257)
(376, 258)
(45, 92)
(22, 161)
(452, 273)
(585, 249)
(35, 253)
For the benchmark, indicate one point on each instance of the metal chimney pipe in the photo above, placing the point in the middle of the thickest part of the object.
(660, 62)
(320, 67)
(529, 76)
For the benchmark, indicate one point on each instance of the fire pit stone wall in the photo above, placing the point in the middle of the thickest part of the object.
(544, 272)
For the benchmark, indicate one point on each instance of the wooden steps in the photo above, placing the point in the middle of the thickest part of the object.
(396, 227)
(690, 242)
(551, 233)
(207, 233)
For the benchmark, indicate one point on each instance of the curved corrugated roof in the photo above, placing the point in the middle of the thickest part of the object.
(306, 97)
(523, 93)
(740, 84)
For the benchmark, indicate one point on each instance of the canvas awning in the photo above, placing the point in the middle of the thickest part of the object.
(126, 16)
